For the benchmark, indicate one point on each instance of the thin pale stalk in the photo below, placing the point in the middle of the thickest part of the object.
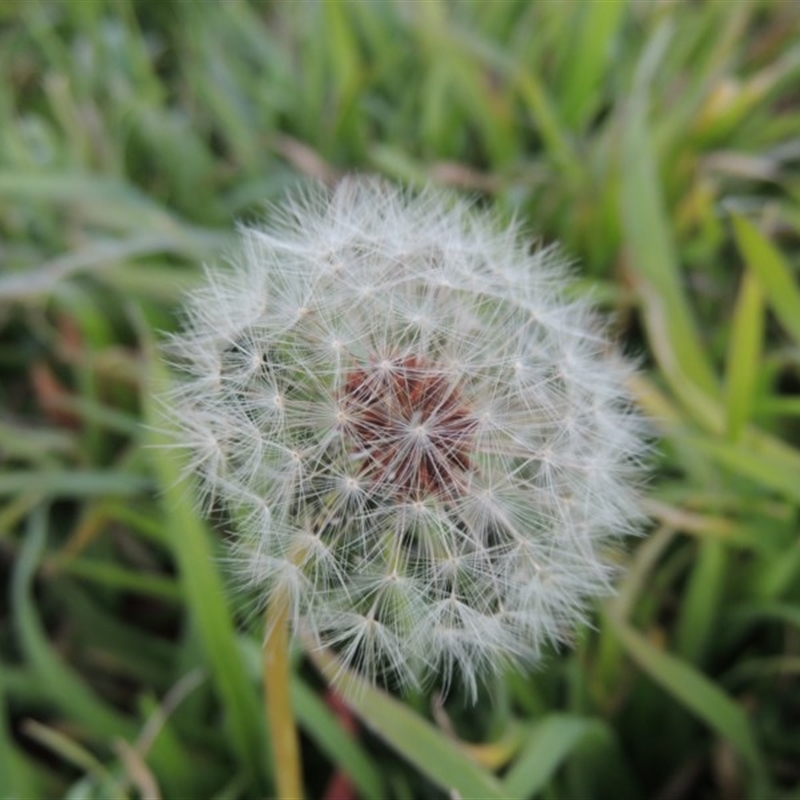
(277, 673)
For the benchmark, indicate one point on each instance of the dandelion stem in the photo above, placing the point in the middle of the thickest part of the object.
(285, 745)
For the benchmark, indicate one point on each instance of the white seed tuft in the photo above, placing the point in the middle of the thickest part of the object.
(423, 444)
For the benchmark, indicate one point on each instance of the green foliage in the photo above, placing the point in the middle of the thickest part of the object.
(656, 141)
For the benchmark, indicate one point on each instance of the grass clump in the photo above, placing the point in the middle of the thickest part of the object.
(656, 142)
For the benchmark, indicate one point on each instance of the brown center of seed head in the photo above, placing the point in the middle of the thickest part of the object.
(407, 421)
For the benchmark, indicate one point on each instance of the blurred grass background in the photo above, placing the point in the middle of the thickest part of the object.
(658, 141)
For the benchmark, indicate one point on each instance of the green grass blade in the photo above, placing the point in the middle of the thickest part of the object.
(319, 724)
(647, 230)
(702, 600)
(108, 255)
(16, 777)
(74, 484)
(59, 683)
(111, 200)
(744, 353)
(70, 751)
(778, 474)
(694, 690)
(121, 578)
(426, 747)
(550, 743)
(205, 595)
(580, 95)
(780, 286)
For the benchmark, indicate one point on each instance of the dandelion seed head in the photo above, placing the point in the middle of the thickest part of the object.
(425, 447)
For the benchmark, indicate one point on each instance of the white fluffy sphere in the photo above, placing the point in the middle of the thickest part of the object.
(425, 447)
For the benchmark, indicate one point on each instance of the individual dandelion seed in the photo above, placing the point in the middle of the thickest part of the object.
(427, 449)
